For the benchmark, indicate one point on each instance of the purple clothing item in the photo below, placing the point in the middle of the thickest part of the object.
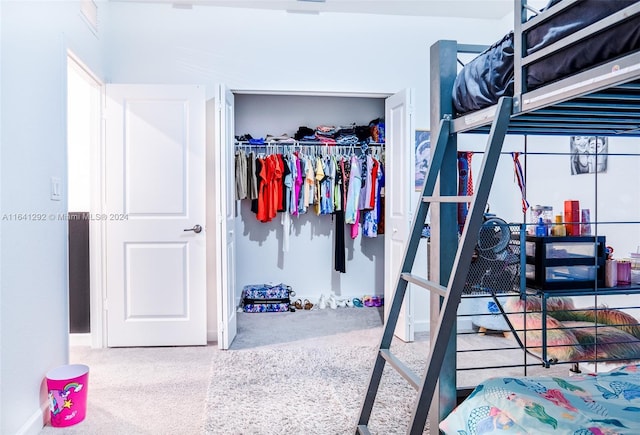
(353, 193)
(297, 187)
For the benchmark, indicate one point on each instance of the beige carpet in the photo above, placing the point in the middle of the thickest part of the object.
(140, 391)
(287, 373)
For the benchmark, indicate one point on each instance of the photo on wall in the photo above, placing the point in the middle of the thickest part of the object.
(423, 157)
(588, 154)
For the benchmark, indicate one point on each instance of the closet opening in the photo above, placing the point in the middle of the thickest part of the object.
(301, 246)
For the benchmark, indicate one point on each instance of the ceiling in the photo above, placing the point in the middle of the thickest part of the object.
(485, 9)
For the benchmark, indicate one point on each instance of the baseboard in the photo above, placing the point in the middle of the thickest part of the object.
(421, 326)
(212, 335)
(35, 423)
(80, 339)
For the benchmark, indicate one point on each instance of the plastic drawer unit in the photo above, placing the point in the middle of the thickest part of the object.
(568, 262)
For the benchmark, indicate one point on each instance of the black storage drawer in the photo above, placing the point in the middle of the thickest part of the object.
(568, 262)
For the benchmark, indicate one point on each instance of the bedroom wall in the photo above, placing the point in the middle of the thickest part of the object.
(278, 51)
(212, 45)
(33, 257)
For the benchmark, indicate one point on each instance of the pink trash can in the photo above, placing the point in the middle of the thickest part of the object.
(68, 394)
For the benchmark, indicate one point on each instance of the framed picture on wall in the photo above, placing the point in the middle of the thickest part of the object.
(588, 154)
(423, 156)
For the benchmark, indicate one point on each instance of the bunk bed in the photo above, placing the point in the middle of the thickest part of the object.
(596, 96)
(572, 68)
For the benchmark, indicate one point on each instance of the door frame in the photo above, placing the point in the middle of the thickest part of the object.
(96, 228)
(309, 93)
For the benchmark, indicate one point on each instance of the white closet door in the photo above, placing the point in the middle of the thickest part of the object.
(225, 217)
(399, 192)
(155, 196)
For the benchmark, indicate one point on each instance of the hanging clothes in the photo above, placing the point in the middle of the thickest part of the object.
(340, 257)
(252, 180)
(299, 180)
(326, 186)
(353, 193)
(319, 176)
(370, 219)
(287, 181)
(241, 174)
(381, 199)
(347, 186)
(258, 163)
(309, 183)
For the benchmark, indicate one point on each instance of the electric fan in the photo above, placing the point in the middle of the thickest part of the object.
(495, 266)
(494, 269)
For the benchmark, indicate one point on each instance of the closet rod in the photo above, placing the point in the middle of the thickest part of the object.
(309, 143)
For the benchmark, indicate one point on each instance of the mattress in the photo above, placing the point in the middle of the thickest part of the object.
(585, 404)
(489, 76)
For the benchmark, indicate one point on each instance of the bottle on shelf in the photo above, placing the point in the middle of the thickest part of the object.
(541, 228)
(558, 229)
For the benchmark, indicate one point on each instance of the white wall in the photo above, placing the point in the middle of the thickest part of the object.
(33, 294)
(275, 50)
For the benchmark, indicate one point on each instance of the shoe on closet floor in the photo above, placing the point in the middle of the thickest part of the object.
(349, 303)
(357, 303)
(322, 303)
(333, 304)
(307, 304)
(341, 303)
(298, 304)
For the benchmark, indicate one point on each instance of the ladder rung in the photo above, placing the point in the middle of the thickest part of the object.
(363, 429)
(438, 198)
(401, 368)
(424, 283)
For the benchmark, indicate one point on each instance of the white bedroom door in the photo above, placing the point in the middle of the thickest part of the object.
(225, 218)
(399, 193)
(155, 215)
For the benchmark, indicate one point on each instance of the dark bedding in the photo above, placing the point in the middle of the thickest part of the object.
(489, 76)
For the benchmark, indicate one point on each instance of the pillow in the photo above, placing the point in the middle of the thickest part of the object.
(562, 344)
(477, 414)
(602, 342)
(602, 315)
(534, 303)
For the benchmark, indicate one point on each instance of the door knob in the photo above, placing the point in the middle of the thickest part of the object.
(196, 229)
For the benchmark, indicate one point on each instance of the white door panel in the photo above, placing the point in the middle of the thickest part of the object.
(154, 171)
(225, 202)
(399, 182)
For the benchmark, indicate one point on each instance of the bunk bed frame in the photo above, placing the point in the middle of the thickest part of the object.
(601, 101)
